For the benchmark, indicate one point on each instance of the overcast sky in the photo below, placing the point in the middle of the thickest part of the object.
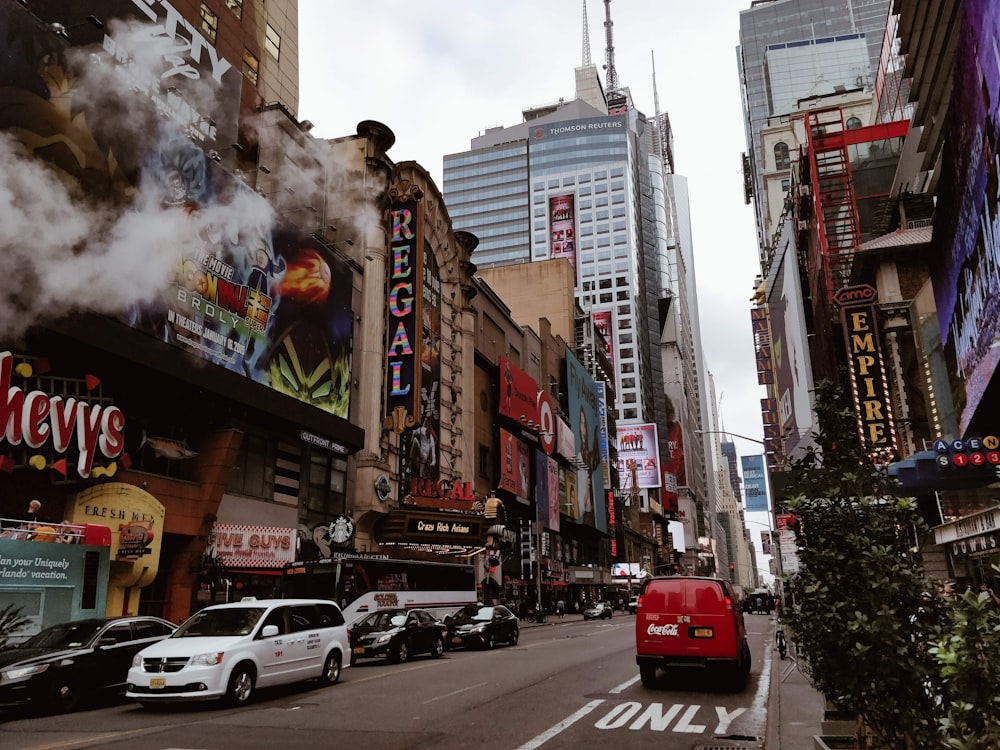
(438, 73)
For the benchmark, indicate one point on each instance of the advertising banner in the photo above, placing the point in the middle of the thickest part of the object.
(638, 448)
(604, 322)
(253, 546)
(562, 228)
(754, 483)
(518, 395)
(584, 411)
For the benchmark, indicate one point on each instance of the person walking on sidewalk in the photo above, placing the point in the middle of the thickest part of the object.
(560, 608)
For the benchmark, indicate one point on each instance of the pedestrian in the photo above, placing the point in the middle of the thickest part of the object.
(32, 514)
(560, 608)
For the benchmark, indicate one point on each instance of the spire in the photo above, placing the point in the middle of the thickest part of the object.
(611, 77)
(586, 36)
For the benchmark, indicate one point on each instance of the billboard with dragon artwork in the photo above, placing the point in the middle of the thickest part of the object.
(110, 134)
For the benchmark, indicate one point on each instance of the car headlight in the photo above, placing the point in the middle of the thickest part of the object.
(137, 659)
(384, 638)
(21, 673)
(207, 660)
(479, 629)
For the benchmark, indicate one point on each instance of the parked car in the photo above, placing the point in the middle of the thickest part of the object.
(633, 602)
(598, 611)
(397, 634)
(483, 626)
(691, 621)
(56, 669)
(227, 651)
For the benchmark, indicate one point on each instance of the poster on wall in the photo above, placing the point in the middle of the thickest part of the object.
(639, 455)
(584, 411)
(118, 129)
(562, 228)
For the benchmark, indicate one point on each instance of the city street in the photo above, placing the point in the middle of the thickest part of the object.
(567, 684)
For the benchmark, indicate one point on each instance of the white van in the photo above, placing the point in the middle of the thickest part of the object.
(228, 650)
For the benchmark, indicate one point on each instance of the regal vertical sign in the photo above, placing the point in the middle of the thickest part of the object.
(403, 314)
(868, 380)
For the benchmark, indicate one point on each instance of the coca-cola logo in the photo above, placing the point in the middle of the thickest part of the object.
(661, 629)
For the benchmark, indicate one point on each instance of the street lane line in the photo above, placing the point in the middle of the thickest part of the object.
(455, 692)
(624, 686)
(548, 734)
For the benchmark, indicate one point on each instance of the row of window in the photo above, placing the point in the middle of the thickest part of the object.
(251, 65)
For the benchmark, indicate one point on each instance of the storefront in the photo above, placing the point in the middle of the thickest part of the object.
(245, 561)
(973, 547)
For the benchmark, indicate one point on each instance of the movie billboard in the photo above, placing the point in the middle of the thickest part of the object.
(582, 400)
(604, 323)
(518, 394)
(546, 491)
(562, 228)
(966, 245)
(638, 451)
(110, 136)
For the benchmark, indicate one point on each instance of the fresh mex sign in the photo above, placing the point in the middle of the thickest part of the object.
(36, 418)
(403, 352)
(868, 381)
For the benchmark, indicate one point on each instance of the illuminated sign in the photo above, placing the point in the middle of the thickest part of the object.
(37, 418)
(403, 380)
(868, 382)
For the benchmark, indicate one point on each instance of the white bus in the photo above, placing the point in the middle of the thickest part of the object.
(363, 584)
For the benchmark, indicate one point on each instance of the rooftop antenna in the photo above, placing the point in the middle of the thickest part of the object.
(656, 102)
(611, 77)
(662, 125)
(586, 37)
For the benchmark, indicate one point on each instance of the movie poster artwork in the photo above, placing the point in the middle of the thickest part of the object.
(562, 228)
(115, 132)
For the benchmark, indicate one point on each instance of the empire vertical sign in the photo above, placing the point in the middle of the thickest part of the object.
(868, 380)
(404, 301)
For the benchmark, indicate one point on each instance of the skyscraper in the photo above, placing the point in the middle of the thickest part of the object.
(587, 181)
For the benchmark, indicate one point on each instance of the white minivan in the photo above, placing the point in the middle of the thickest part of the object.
(229, 650)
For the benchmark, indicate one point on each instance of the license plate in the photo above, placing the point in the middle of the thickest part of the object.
(359, 650)
(456, 639)
(157, 683)
(702, 633)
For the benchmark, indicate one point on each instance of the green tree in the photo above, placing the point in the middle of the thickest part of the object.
(970, 672)
(864, 614)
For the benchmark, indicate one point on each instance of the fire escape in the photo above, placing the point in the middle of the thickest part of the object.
(835, 206)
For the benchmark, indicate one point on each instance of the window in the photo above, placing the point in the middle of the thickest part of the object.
(484, 462)
(209, 23)
(781, 159)
(786, 185)
(236, 6)
(272, 41)
(250, 66)
(253, 473)
(326, 494)
(853, 123)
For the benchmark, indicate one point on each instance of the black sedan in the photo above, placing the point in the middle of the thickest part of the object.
(397, 634)
(55, 669)
(483, 626)
(598, 611)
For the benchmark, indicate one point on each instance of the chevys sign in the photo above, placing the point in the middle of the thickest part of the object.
(37, 418)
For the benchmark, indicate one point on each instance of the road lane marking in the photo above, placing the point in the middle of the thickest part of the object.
(548, 734)
(624, 686)
(456, 692)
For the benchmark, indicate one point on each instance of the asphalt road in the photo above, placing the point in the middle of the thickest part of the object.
(566, 685)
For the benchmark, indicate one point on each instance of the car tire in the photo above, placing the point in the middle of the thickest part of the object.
(514, 635)
(489, 641)
(438, 648)
(331, 669)
(241, 685)
(401, 653)
(647, 673)
(64, 694)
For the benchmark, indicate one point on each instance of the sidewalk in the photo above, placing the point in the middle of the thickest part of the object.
(795, 707)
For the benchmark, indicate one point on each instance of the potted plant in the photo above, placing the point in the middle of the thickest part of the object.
(863, 614)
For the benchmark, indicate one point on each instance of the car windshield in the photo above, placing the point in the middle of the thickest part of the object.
(473, 613)
(484, 615)
(66, 635)
(236, 621)
(382, 619)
